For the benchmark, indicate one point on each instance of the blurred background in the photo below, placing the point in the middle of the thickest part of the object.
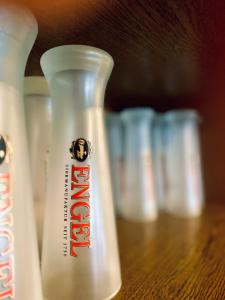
(168, 54)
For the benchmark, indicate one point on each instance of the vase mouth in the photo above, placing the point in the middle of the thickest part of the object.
(75, 57)
(182, 115)
(139, 113)
(17, 22)
(36, 85)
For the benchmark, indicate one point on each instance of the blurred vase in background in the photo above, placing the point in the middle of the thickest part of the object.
(38, 119)
(115, 145)
(139, 201)
(80, 255)
(184, 186)
(159, 159)
(19, 264)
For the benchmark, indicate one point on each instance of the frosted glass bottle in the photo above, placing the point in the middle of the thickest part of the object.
(80, 254)
(19, 265)
(115, 144)
(38, 120)
(139, 201)
(184, 187)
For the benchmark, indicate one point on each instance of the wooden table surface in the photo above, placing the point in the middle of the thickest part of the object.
(174, 258)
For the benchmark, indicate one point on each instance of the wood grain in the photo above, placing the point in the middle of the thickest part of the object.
(174, 258)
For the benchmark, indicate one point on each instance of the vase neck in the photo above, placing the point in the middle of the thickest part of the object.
(78, 88)
(12, 61)
(77, 75)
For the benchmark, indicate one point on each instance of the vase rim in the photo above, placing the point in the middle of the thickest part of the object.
(137, 113)
(72, 57)
(182, 115)
(17, 21)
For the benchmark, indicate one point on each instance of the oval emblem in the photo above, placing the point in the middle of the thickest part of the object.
(80, 149)
(3, 149)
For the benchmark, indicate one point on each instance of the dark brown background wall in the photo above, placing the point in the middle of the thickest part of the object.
(168, 54)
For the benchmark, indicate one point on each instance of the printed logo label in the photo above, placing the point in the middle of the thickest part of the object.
(80, 149)
(77, 206)
(3, 149)
(7, 274)
(7, 287)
